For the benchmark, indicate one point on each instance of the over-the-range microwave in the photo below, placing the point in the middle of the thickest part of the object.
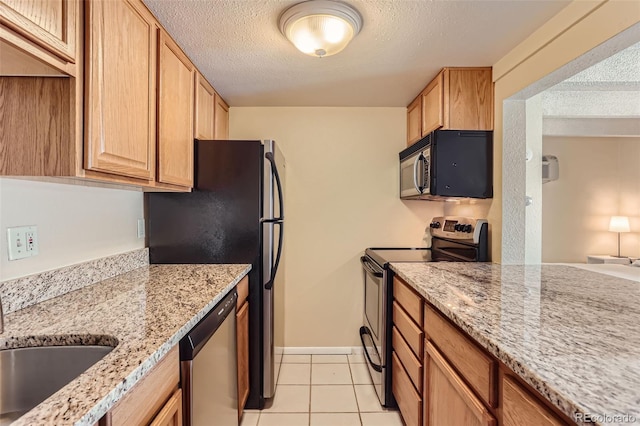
(446, 164)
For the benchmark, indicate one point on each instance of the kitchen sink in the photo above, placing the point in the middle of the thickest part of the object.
(28, 376)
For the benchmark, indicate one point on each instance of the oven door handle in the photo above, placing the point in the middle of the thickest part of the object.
(366, 264)
(363, 331)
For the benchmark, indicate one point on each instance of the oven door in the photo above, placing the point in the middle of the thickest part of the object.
(373, 333)
(443, 250)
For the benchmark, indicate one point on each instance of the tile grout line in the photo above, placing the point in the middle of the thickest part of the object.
(355, 395)
(310, 386)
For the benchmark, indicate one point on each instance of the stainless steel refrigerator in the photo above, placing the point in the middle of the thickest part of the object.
(234, 215)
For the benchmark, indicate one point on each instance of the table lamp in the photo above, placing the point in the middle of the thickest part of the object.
(619, 224)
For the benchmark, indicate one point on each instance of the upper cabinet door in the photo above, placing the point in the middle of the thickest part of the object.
(205, 104)
(414, 121)
(433, 105)
(120, 88)
(222, 119)
(175, 114)
(469, 96)
(48, 23)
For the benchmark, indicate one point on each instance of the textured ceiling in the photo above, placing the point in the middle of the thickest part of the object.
(602, 100)
(236, 44)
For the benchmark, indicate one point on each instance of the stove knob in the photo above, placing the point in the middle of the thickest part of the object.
(436, 225)
(468, 228)
(456, 227)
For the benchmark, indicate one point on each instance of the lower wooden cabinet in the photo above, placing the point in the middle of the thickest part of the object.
(409, 401)
(155, 400)
(477, 367)
(171, 413)
(449, 400)
(242, 330)
(407, 338)
(453, 380)
(519, 408)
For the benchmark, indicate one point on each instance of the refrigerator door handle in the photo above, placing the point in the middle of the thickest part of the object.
(269, 156)
(274, 270)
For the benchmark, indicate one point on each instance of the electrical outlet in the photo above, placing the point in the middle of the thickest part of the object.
(140, 228)
(22, 242)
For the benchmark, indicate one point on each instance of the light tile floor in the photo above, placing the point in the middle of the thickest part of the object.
(323, 390)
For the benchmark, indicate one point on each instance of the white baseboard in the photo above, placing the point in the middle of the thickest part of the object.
(323, 350)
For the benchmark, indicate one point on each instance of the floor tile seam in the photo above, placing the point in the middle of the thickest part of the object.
(310, 385)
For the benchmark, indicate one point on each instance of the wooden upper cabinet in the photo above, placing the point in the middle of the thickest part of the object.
(449, 400)
(120, 88)
(175, 114)
(468, 99)
(433, 105)
(205, 104)
(222, 119)
(48, 23)
(456, 99)
(414, 121)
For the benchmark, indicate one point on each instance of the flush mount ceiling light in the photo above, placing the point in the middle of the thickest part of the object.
(320, 27)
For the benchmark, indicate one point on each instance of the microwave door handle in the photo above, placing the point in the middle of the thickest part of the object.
(415, 173)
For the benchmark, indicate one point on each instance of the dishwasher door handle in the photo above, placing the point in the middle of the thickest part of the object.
(200, 334)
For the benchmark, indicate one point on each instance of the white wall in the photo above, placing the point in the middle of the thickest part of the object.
(341, 197)
(599, 178)
(75, 223)
(577, 37)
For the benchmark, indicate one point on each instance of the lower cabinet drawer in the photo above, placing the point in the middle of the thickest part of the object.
(519, 408)
(413, 335)
(411, 364)
(478, 368)
(409, 401)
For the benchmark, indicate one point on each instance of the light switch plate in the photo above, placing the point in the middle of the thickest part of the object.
(22, 242)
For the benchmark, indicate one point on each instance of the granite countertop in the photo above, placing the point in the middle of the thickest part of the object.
(572, 334)
(146, 312)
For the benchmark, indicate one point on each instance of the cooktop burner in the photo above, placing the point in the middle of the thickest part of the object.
(385, 255)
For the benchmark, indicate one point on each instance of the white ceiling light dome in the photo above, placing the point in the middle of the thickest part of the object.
(320, 27)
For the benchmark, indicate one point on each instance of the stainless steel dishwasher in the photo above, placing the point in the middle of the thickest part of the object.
(208, 368)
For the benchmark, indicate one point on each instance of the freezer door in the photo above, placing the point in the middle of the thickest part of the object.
(273, 265)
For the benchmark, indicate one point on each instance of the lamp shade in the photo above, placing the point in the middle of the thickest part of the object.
(619, 224)
(320, 27)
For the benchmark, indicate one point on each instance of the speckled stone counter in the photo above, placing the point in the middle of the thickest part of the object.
(145, 312)
(572, 334)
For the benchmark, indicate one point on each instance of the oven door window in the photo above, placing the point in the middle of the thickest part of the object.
(451, 251)
(372, 301)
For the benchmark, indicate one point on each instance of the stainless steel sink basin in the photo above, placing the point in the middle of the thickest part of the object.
(28, 376)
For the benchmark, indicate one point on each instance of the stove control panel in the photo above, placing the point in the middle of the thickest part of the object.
(457, 227)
